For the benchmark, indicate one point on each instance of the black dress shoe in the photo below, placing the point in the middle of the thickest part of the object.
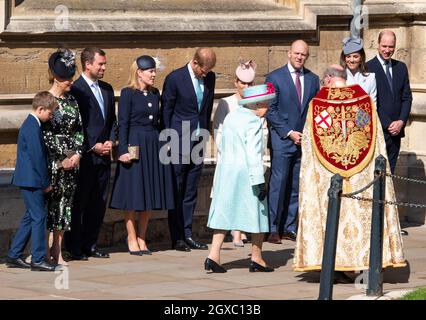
(212, 266)
(95, 253)
(195, 245)
(254, 266)
(289, 235)
(17, 263)
(42, 266)
(404, 232)
(69, 256)
(136, 253)
(180, 245)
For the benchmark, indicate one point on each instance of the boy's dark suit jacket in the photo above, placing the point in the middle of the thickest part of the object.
(31, 164)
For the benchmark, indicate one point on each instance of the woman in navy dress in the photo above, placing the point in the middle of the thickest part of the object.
(144, 184)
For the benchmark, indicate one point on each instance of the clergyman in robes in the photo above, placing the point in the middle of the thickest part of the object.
(342, 135)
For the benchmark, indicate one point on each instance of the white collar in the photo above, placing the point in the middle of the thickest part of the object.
(350, 74)
(191, 72)
(89, 81)
(292, 70)
(382, 61)
(38, 120)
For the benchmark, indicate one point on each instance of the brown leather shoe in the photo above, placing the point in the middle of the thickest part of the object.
(274, 238)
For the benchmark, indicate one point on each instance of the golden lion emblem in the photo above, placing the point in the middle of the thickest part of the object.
(345, 152)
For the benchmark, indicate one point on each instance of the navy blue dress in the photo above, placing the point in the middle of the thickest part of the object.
(144, 184)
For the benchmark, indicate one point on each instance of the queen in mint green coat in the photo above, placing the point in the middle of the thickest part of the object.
(235, 205)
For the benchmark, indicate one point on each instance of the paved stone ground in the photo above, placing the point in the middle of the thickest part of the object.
(169, 274)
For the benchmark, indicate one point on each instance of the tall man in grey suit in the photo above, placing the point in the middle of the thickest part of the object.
(394, 96)
(295, 86)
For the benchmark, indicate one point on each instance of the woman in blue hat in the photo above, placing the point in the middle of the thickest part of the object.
(352, 59)
(63, 136)
(244, 77)
(239, 195)
(142, 182)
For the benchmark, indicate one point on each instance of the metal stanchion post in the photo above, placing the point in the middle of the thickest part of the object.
(375, 273)
(330, 241)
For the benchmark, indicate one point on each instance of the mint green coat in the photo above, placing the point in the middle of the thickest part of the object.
(235, 205)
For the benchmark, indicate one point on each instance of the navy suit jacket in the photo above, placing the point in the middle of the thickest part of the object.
(96, 129)
(179, 101)
(396, 106)
(283, 114)
(31, 163)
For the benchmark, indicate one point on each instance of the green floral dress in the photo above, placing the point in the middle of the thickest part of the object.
(63, 136)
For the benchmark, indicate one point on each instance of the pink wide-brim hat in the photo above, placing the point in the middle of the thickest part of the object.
(246, 71)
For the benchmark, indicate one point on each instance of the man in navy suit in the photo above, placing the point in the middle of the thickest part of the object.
(394, 96)
(97, 108)
(295, 87)
(32, 177)
(187, 103)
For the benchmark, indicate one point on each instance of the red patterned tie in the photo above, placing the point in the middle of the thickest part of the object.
(299, 89)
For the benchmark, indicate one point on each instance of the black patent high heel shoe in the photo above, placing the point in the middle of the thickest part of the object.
(134, 253)
(209, 264)
(254, 266)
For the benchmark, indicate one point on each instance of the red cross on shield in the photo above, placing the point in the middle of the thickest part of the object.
(323, 120)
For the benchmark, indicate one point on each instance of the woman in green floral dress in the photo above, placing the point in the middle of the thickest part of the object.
(64, 140)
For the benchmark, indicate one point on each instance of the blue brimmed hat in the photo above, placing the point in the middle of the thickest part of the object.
(351, 45)
(145, 62)
(62, 63)
(259, 93)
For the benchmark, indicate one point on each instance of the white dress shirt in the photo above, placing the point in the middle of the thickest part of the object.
(293, 76)
(195, 79)
(382, 62)
(90, 83)
(94, 85)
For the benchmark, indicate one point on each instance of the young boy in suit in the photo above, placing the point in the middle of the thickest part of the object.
(31, 176)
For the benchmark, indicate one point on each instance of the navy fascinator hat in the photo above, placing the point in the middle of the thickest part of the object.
(145, 62)
(62, 63)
